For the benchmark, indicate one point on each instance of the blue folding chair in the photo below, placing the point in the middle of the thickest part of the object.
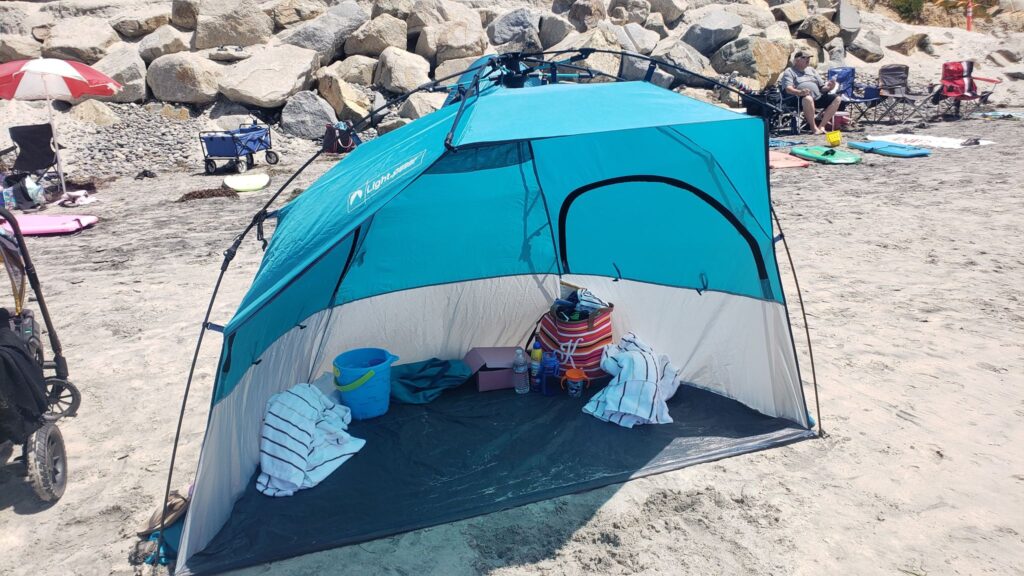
(846, 79)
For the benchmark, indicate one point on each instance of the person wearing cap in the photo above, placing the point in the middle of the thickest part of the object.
(804, 82)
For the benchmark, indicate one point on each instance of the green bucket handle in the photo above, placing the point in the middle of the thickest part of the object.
(362, 380)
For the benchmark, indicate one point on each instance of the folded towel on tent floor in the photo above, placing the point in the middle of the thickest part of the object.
(642, 382)
(303, 440)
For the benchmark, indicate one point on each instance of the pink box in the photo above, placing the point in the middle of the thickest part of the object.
(493, 367)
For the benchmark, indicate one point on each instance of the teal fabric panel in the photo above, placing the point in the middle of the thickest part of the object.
(667, 153)
(306, 294)
(475, 214)
(681, 242)
(742, 157)
(508, 114)
(340, 199)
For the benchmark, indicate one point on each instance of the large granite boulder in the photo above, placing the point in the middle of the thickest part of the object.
(420, 104)
(753, 15)
(327, 34)
(285, 13)
(636, 69)
(836, 51)
(656, 23)
(713, 31)
(644, 40)
(904, 41)
(123, 64)
(791, 13)
(354, 69)
(141, 22)
(433, 12)
(752, 57)
(847, 17)
(507, 26)
(460, 40)
(185, 13)
(587, 14)
(601, 38)
(306, 115)
(866, 46)
(818, 28)
(85, 39)
(449, 68)
(349, 102)
(670, 10)
(400, 9)
(373, 37)
(678, 53)
(94, 112)
(623, 12)
(554, 29)
(400, 71)
(184, 77)
(271, 76)
(165, 40)
(18, 48)
(232, 23)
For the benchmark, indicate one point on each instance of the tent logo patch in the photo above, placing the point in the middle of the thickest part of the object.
(358, 198)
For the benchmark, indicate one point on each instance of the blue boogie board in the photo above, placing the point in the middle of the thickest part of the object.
(890, 149)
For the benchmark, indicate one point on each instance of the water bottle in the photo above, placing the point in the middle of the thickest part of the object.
(536, 355)
(549, 373)
(520, 375)
(8, 199)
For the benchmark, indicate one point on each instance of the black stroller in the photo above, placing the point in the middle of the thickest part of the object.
(31, 403)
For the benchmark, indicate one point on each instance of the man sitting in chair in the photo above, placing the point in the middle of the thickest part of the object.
(804, 82)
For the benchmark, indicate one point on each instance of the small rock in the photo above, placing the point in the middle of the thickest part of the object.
(185, 13)
(818, 28)
(791, 13)
(391, 125)
(656, 23)
(587, 14)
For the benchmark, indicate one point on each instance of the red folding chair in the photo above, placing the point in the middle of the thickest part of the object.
(959, 85)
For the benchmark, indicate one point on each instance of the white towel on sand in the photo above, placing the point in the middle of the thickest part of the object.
(303, 440)
(643, 381)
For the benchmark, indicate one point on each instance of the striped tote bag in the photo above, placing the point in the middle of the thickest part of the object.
(578, 343)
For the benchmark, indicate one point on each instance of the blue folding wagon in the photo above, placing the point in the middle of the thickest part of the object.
(237, 146)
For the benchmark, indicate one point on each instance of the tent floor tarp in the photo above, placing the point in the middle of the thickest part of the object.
(471, 453)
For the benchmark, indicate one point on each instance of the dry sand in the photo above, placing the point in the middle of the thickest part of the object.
(913, 272)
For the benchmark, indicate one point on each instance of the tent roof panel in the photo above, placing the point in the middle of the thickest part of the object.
(509, 114)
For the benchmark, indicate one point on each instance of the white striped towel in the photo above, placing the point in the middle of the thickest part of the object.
(643, 381)
(303, 440)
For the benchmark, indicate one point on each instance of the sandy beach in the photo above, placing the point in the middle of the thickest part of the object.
(913, 276)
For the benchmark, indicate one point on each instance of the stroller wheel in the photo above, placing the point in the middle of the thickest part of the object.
(47, 463)
(272, 157)
(240, 165)
(63, 398)
(210, 166)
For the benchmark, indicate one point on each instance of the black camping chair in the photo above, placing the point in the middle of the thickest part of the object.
(34, 147)
(899, 102)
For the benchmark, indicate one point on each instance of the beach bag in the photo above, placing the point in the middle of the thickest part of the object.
(578, 343)
(338, 140)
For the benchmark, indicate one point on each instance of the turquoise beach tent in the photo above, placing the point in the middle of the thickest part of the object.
(655, 201)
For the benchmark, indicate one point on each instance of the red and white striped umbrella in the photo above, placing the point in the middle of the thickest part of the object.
(51, 78)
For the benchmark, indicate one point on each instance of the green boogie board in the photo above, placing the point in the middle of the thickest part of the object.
(825, 155)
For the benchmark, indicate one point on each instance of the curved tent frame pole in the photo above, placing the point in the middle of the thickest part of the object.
(807, 329)
(494, 63)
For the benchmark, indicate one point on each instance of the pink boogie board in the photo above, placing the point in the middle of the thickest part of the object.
(783, 160)
(43, 224)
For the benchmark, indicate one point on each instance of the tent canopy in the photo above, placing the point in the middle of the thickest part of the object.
(657, 202)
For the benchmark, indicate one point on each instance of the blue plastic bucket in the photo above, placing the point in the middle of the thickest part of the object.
(363, 379)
